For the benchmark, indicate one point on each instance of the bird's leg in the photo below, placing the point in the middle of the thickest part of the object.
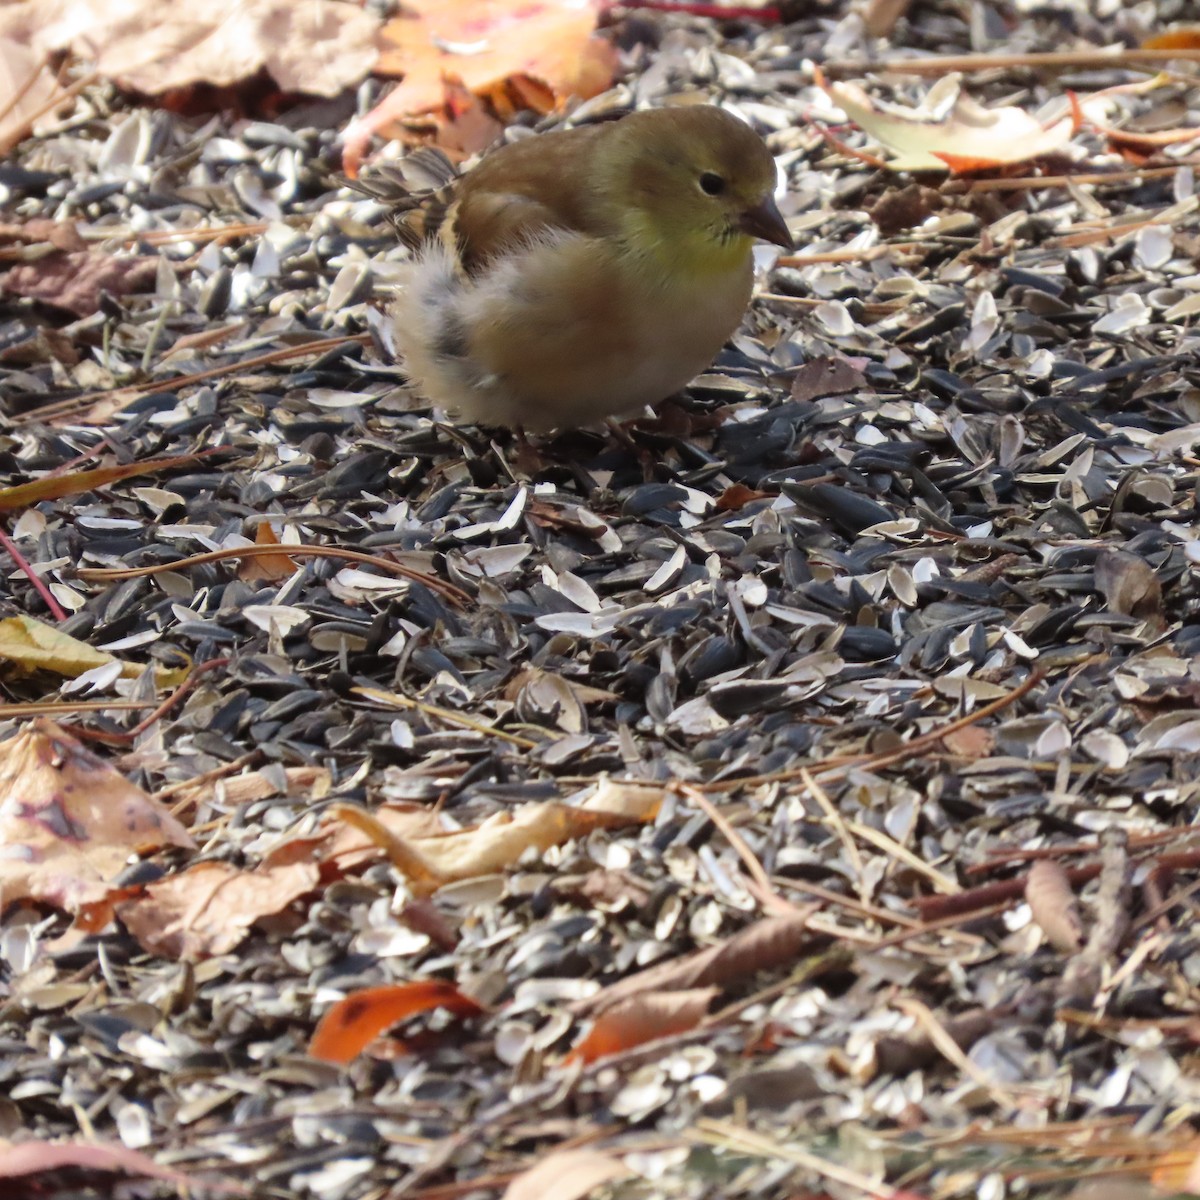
(620, 431)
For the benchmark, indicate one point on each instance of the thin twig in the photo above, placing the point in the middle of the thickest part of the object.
(114, 574)
(838, 767)
(944, 64)
(770, 898)
(75, 404)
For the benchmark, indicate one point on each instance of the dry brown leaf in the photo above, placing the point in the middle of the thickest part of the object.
(313, 783)
(27, 83)
(209, 908)
(267, 566)
(829, 376)
(736, 496)
(75, 281)
(1052, 901)
(31, 645)
(1128, 585)
(643, 1018)
(69, 822)
(770, 943)
(972, 741)
(38, 231)
(517, 53)
(347, 847)
(566, 1175)
(317, 47)
(950, 130)
(496, 845)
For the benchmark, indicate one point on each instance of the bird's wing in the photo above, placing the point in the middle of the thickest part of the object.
(516, 193)
(419, 189)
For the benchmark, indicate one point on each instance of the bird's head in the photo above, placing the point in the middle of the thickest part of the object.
(694, 185)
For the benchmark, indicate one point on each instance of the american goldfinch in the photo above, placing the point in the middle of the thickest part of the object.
(583, 273)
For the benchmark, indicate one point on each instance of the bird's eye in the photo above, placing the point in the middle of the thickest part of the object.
(711, 184)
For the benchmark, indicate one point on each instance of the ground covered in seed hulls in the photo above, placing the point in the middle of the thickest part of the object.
(899, 601)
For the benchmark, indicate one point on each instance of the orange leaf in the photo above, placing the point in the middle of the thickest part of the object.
(267, 566)
(55, 487)
(736, 496)
(516, 52)
(641, 1019)
(1187, 38)
(357, 1019)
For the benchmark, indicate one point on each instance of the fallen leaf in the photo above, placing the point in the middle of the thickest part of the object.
(1128, 585)
(736, 496)
(267, 566)
(830, 376)
(311, 783)
(69, 822)
(37, 1157)
(1051, 899)
(76, 281)
(972, 741)
(357, 1019)
(74, 483)
(498, 843)
(640, 1019)
(1186, 37)
(27, 85)
(566, 1175)
(209, 908)
(315, 47)
(16, 237)
(951, 130)
(516, 53)
(31, 645)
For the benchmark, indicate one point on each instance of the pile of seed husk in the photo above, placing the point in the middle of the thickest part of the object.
(896, 602)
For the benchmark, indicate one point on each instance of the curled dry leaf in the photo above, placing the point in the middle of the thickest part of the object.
(359, 1018)
(1128, 585)
(497, 844)
(30, 645)
(209, 908)
(1052, 901)
(643, 1018)
(69, 822)
(566, 1175)
(950, 130)
(316, 47)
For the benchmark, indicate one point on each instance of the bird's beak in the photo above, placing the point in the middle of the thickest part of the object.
(766, 221)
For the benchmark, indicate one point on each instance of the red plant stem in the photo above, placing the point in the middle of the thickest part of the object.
(39, 586)
(932, 908)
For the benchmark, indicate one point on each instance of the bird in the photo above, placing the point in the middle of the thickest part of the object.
(578, 275)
